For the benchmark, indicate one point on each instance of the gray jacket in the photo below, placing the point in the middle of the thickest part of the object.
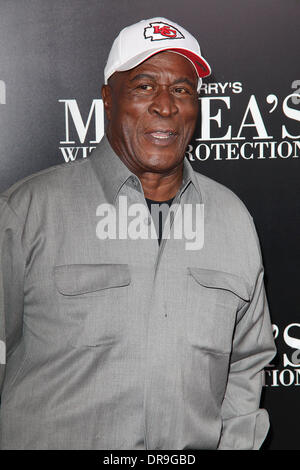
(122, 343)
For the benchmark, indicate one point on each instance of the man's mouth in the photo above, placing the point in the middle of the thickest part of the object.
(162, 134)
(161, 137)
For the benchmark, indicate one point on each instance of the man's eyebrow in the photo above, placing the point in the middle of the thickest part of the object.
(184, 80)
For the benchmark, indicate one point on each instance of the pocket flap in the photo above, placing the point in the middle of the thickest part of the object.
(74, 279)
(221, 280)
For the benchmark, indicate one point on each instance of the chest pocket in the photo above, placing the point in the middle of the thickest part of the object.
(213, 299)
(93, 300)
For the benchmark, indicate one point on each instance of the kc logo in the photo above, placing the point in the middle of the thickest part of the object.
(159, 30)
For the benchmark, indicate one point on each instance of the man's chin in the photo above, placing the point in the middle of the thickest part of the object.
(160, 161)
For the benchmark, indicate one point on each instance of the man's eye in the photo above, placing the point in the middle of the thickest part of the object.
(181, 90)
(145, 87)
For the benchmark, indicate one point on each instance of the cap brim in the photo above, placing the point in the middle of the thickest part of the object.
(202, 67)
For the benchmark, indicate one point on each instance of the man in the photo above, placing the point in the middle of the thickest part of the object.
(116, 339)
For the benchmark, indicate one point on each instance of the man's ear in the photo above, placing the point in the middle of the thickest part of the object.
(106, 93)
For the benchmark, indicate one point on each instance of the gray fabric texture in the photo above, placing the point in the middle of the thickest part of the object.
(122, 343)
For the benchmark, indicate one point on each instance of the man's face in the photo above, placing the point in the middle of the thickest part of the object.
(152, 111)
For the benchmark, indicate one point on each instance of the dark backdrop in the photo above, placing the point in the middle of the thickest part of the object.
(52, 55)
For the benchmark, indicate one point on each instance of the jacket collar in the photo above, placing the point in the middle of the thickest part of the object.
(113, 173)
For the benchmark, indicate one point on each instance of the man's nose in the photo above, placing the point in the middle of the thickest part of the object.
(163, 103)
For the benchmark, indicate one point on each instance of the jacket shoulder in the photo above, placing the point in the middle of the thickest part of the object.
(43, 177)
(231, 210)
(44, 183)
(220, 196)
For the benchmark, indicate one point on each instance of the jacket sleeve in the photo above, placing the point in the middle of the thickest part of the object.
(12, 268)
(245, 425)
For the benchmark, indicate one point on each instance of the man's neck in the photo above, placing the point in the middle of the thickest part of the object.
(156, 186)
(161, 187)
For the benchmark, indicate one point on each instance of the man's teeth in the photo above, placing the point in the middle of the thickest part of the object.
(161, 135)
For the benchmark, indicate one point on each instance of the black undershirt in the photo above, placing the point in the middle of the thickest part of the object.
(150, 203)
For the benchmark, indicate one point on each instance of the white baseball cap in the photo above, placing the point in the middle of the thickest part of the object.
(140, 41)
